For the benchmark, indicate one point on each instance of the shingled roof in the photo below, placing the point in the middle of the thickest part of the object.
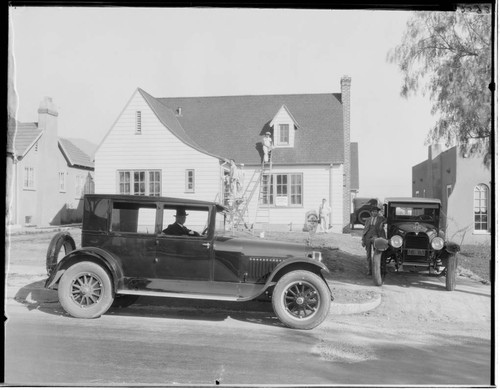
(26, 135)
(74, 155)
(233, 126)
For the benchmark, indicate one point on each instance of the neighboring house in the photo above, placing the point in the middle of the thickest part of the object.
(181, 147)
(463, 184)
(49, 175)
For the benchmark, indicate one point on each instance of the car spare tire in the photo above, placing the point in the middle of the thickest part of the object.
(363, 215)
(60, 245)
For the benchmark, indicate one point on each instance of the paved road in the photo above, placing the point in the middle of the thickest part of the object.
(148, 344)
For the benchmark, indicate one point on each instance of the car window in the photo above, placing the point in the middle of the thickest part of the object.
(197, 219)
(411, 213)
(133, 218)
(95, 214)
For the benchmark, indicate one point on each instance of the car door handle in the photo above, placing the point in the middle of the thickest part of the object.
(206, 244)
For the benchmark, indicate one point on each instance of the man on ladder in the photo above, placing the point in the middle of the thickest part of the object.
(267, 147)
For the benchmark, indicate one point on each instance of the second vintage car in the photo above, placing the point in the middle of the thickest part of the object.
(153, 246)
(415, 241)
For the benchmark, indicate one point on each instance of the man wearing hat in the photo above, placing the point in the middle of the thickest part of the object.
(178, 228)
(267, 146)
(374, 228)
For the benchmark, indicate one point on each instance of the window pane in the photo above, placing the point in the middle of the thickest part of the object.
(281, 185)
(296, 189)
(267, 189)
(481, 207)
(133, 218)
(139, 183)
(284, 134)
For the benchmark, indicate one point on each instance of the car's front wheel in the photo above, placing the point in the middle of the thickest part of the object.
(301, 300)
(85, 290)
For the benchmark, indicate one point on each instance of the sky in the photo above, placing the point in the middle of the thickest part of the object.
(91, 60)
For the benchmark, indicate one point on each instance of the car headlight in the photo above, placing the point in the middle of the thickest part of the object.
(437, 243)
(396, 241)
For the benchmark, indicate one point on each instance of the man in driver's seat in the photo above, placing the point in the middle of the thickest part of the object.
(178, 228)
(374, 228)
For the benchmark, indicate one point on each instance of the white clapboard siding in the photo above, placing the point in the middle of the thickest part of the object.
(156, 148)
(318, 182)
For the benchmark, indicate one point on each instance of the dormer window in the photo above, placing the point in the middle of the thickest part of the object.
(283, 135)
(285, 126)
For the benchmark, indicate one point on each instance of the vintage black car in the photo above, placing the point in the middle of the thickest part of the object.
(415, 241)
(125, 254)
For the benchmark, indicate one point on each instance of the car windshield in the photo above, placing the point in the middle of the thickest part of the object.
(220, 223)
(414, 212)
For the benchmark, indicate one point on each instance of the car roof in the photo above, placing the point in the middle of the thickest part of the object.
(413, 200)
(152, 199)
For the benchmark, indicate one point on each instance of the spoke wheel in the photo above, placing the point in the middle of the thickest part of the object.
(301, 300)
(85, 290)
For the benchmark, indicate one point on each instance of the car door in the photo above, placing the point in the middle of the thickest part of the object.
(132, 240)
(184, 258)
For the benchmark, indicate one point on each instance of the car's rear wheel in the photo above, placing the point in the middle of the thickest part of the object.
(85, 290)
(451, 272)
(377, 272)
(301, 300)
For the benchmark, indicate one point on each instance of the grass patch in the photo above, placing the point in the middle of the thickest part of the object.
(477, 260)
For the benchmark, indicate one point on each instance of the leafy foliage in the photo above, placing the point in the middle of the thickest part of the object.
(448, 56)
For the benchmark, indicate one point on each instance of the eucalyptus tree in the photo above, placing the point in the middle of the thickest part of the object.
(447, 56)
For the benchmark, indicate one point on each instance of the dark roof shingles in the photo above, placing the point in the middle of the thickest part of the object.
(233, 126)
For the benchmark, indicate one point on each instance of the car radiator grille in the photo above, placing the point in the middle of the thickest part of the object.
(261, 266)
(416, 242)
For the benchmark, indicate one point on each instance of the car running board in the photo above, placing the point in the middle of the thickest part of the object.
(212, 297)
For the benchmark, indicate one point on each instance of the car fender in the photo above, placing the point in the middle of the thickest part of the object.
(381, 244)
(452, 247)
(99, 255)
(297, 264)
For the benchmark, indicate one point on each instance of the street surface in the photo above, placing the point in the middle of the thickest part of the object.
(420, 334)
(149, 344)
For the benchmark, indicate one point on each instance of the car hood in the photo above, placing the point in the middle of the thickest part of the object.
(260, 247)
(415, 227)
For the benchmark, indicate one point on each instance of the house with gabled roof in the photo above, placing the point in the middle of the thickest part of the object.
(182, 147)
(49, 174)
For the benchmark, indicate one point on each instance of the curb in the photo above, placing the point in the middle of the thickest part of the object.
(355, 308)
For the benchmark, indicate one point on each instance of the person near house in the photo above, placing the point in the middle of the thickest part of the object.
(374, 228)
(324, 212)
(267, 146)
(235, 178)
(178, 228)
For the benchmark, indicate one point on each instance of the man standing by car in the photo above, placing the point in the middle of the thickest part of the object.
(374, 228)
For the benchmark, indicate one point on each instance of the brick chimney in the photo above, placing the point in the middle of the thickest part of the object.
(345, 84)
(47, 171)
